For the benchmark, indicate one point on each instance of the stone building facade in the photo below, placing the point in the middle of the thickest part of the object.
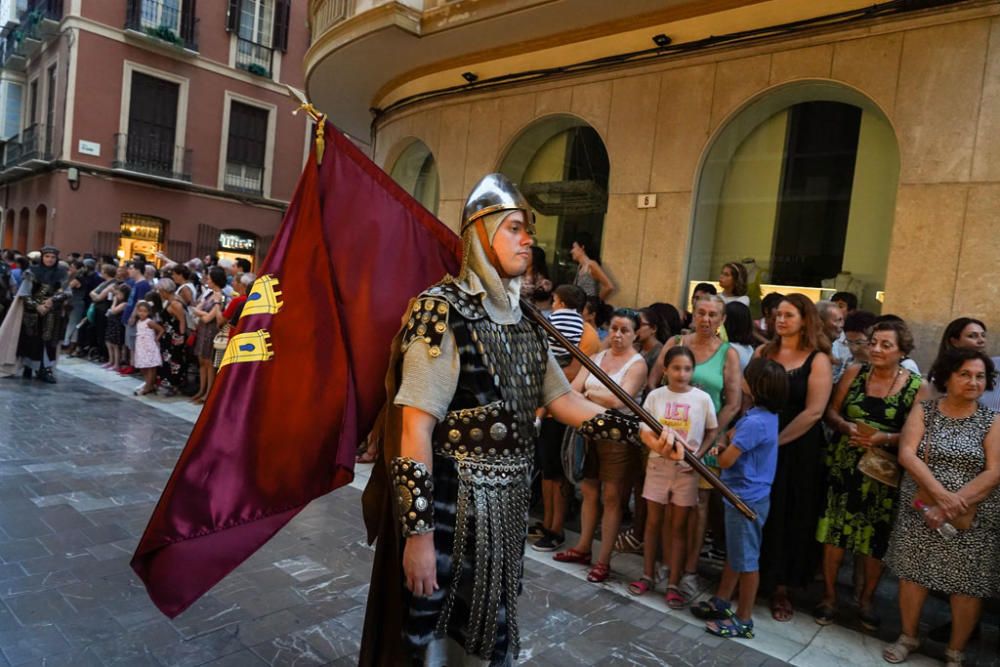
(705, 133)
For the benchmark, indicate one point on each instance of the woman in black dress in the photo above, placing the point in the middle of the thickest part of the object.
(790, 553)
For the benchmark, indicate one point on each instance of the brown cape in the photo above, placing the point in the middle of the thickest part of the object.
(382, 641)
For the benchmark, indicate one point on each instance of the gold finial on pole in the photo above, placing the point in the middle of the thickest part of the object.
(318, 117)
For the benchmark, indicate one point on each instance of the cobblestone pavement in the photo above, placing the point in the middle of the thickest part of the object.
(80, 470)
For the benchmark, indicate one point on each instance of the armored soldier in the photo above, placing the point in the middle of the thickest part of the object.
(44, 292)
(449, 504)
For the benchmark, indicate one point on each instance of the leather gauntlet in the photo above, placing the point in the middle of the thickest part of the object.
(414, 493)
(612, 425)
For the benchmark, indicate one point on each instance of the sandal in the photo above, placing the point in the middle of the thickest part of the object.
(781, 609)
(953, 658)
(628, 542)
(824, 613)
(869, 619)
(714, 609)
(900, 650)
(572, 556)
(730, 628)
(599, 573)
(675, 598)
(366, 457)
(642, 586)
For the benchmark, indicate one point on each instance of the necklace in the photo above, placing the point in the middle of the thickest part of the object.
(892, 385)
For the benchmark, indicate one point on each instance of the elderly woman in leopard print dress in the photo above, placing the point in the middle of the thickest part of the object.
(950, 448)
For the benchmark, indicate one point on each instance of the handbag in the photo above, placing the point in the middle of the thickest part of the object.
(880, 465)
(574, 455)
(962, 521)
(221, 340)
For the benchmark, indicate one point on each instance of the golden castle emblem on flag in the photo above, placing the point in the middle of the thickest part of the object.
(264, 298)
(249, 346)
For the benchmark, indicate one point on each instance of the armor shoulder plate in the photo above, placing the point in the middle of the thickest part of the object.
(468, 306)
(428, 322)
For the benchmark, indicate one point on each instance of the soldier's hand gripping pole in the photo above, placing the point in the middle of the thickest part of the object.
(637, 409)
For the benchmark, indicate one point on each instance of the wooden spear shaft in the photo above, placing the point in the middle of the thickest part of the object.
(637, 409)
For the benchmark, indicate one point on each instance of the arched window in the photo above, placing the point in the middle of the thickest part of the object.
(803, 182)
(416, 171)
(561, 165)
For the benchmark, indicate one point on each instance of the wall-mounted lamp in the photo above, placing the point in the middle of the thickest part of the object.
(471, 77)
(73, 176)
(661, 40)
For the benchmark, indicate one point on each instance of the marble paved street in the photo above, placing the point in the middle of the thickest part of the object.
(81, 467)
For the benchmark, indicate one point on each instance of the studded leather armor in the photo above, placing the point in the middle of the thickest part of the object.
(489, 433)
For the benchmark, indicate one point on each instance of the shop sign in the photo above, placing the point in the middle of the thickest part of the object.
(236, 241)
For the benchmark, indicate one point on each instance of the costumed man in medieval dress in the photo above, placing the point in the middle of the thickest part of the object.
(41, 298)
(448, 500)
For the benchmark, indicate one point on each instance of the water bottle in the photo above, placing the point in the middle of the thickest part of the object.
(945, 530)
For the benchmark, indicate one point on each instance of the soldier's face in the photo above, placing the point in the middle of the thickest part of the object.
(512, 243)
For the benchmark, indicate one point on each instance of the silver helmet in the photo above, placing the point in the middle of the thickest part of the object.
(495, 193)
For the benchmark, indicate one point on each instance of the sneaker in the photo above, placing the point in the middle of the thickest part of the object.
(690, 585)
(549, 542)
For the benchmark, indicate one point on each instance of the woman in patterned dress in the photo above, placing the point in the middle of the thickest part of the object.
(173, 347)
(951, 447)
(860, 510)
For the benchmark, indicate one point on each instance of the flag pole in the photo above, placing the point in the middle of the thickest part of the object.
(632, 405)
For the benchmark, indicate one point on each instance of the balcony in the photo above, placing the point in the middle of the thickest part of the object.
(30, 148)
(13, 54)
(46, 15)
(254, 58)
(244, 179)
(152, 155)
(163, 21)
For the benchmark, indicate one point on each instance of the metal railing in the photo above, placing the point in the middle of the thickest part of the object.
(254, 58)
(164, 20)
(152, 155)
(34, 143)
(45, 9)
(245, 179)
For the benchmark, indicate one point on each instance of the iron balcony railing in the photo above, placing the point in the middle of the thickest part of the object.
(34, 143)
(152, 155)
(51, 10)
(254, 58)
(165, 20)
(244, 178)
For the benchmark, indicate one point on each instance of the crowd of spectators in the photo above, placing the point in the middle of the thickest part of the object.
(813, 413)
(168, 324)
(819, 419)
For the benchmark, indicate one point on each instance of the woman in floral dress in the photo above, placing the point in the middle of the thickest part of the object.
(860, 510)
(173, 372)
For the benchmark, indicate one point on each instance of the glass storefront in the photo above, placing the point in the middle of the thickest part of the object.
(141, 234)
(801, 186)
(235, 244)
(561, 165)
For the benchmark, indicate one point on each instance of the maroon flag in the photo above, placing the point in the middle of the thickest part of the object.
(303, 378)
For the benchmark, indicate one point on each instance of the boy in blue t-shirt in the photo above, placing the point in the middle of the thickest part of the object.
(748, 465)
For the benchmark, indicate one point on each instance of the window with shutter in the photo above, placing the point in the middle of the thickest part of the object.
(152, 125)
(246, 149)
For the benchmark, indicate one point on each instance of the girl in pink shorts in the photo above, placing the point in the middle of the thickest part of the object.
(690, 414)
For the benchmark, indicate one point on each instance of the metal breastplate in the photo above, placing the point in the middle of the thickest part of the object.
(490, 434)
